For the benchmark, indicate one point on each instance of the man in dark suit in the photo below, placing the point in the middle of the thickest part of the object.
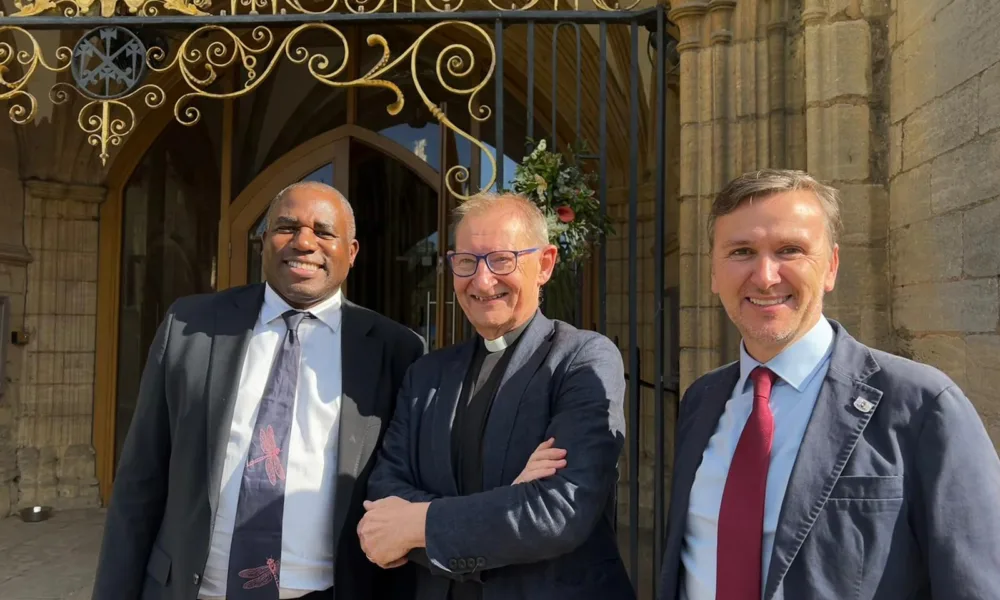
(499, 468)
(246, 464)
(817, 467)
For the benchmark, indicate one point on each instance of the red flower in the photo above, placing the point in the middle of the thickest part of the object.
(565, 214)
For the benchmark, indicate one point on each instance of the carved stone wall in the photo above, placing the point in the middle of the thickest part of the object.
(800, 84)
(895, 103)
(14, 258)
(55, 456)
(945, 192)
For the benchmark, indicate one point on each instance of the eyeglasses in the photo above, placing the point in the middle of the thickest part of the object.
(500, 262)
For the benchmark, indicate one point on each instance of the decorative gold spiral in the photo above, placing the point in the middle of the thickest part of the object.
(318, 64)
(24, 104)
(202, 56)
(98, 118)
(511, 7)
(450, 6)
(211, 60)
(601, 5)
(210, 50)
(460, 62)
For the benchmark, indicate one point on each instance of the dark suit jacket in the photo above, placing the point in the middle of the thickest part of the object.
(544, 540)
(899, 501)
(165, 496)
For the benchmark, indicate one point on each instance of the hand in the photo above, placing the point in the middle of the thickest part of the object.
(390, 529)
(543, 462)
(395, 563)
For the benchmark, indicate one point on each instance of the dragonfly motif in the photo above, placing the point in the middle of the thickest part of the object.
(261, 576)
(270, 456)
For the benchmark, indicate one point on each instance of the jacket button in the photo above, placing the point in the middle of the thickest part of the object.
(453, 564)
(480, 562)
(461, 563)
(196, 578)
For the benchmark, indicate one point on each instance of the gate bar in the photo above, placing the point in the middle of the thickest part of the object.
(633, 310)
(660, 169)
(602, 275)
(530, 108)
(498, 115)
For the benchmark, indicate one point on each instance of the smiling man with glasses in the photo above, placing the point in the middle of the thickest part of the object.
(497, 473)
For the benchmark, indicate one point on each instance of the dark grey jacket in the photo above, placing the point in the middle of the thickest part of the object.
(900, 501)
(162, 508)
(543, 540)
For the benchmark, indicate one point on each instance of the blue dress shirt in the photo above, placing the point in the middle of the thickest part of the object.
(801, 369)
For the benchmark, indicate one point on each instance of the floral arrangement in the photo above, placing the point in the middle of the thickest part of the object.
(565, 194)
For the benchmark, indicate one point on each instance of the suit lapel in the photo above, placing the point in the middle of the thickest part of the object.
(361, 362)
(443, 417)
(527, 357)
(235, 317)
(696, 432)
(833, 432)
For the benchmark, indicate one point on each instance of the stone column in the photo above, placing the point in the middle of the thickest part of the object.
(14, 258)
(775, 47)
(847, 131)
(55, 454)
(700, 313)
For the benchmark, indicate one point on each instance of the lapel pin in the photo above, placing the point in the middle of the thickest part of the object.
(863, 405)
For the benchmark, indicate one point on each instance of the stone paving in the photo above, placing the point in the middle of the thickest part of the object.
(51, 560)
(56, 559)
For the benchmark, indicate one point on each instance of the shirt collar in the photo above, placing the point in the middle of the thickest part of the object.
(506, 340)
(327, 311)
(797, 364)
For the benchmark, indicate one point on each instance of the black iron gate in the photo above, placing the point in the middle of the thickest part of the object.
(595, 76)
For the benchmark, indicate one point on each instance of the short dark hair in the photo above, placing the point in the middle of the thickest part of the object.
(768, 182)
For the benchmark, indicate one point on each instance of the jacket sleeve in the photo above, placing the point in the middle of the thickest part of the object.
(394, 473)
(546, 518)
(137, 501)
(959, 474)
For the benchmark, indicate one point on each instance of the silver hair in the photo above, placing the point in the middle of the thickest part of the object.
(322, 187)
(767, 182)
(531, 217)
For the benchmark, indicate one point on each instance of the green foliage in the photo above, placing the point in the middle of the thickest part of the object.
(565, 193)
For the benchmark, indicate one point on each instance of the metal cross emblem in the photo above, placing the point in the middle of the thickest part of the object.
(108, 63)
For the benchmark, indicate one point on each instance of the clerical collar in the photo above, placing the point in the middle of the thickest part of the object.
(506, 340)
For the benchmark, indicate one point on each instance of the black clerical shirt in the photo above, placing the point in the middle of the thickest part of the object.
(474, 404)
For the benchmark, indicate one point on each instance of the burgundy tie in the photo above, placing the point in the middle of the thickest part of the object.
(741, 516)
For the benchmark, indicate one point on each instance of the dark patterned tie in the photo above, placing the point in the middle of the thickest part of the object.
(255, 553)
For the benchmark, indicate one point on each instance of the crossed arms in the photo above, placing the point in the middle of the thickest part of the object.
(549, 511)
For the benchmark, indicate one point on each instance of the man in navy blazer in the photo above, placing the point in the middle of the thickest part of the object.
(817, 467)
(498, 471)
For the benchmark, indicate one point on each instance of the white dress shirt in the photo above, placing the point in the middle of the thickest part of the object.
(307, 530)
(801, 369)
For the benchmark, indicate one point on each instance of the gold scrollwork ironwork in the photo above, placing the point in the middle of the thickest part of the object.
(206, 52)
(107, 121)
(13, 87)
(98, 118)
(108, 8)
(150, 8)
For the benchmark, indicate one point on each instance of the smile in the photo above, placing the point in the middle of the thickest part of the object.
(488, 298)
(769, 301)
(297, 264)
